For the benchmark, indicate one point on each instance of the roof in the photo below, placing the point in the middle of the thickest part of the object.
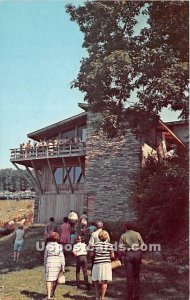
(84, 106)
(65, 125)
(177, 123)
(169, 133)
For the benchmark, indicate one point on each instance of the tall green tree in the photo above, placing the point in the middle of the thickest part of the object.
(13, 180)
(153, 64)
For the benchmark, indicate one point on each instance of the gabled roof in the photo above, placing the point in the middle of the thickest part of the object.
(64, 125)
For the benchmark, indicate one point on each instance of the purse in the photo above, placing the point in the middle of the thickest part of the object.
(115, 264)
(61, 279)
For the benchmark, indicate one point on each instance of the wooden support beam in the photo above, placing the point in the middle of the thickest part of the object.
(37, 178)
(80, 176)
(53, 177)
(21, 171)
(70, 183)
(76, 131)
(81, 166)
(33, 178)
(65, 178)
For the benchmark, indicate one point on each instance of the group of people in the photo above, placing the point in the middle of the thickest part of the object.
(50, 144)
(98, 248)
(71, 227)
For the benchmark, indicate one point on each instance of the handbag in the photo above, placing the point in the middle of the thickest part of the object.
(115, 264)
(61, 279)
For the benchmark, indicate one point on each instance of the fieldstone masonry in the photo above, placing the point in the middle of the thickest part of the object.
(112, 168)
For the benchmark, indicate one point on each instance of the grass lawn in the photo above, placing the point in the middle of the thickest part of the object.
(10, 208)
(25, 280)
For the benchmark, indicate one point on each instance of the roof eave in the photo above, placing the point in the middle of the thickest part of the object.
(41, 132)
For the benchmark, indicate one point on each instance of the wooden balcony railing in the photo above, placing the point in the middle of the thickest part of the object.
(39, 152)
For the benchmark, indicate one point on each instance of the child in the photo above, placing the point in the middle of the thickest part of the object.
(80, 251)
(73, 234)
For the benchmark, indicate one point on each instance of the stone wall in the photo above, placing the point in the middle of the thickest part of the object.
(112, 168)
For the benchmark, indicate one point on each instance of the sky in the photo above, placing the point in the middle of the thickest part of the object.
(40, 53)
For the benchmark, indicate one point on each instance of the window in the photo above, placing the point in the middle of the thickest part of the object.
(82, 132)
(84, 135)
(69, 134)
(58, 174)
(75, 175)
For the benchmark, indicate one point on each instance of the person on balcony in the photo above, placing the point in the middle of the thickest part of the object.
(28, 147)
(55, 144)
(76, 140)
(50, 147)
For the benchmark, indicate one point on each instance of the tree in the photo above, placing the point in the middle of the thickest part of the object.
(13, 180)
(153, 64)
(161, 198)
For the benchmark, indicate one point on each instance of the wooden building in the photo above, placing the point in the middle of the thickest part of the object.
(74, 168)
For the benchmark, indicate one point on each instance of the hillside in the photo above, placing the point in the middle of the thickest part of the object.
(25, 280)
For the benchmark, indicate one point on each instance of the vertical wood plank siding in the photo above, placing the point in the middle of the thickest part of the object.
(59, 206)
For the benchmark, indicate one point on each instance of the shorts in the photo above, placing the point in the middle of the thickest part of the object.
(18, 245)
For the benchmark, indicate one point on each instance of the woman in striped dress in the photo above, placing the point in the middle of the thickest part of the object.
(54, 262)
(102, 271)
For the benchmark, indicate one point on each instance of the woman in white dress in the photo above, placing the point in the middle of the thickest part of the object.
(54, 262)
(102, 271)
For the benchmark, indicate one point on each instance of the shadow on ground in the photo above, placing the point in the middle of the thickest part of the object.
(33, 295)
(77, 297)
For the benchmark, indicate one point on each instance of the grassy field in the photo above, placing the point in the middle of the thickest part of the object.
(10, 208)
(25, 280)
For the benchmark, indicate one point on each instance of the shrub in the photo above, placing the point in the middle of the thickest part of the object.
(161, 198)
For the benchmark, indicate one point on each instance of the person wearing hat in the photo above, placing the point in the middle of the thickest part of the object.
(73, 218)
(54, 262)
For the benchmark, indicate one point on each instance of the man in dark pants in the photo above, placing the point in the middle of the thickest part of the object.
(129, 246)
(80, 251)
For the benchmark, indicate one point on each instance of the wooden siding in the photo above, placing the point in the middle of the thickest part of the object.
(59, 206)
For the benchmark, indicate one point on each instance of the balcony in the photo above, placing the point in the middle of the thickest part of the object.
(42, 152)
